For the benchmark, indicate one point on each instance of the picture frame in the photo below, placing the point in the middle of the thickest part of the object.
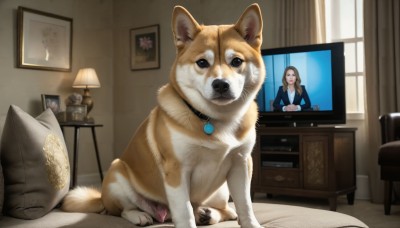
(145, 48)
(76, 113)
(44, 40)
(51, 101)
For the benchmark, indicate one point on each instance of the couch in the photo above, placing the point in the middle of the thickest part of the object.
(389, 155)
(34, 178)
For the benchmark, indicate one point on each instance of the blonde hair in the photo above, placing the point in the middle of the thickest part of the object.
(297, 86)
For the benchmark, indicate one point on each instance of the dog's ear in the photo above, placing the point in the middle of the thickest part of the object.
(250, 26)
(184, 26)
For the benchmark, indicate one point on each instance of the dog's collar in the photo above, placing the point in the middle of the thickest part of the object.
(198, 113)
(208, 127)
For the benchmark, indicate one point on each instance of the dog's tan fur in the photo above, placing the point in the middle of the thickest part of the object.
(170, 162)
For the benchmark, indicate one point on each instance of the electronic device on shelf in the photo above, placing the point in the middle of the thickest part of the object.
(278, 164)
(277, 148)
(322, 71)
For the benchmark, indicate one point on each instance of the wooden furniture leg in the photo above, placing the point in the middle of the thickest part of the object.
(350, 198)
(97, 153)
(75, 159)
(388, 196)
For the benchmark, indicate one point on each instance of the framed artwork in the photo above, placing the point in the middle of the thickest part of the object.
(76, 113)
(52, 102)
(44, 40)
(145, 48)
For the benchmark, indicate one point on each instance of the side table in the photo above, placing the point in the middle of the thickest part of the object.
(77, 126)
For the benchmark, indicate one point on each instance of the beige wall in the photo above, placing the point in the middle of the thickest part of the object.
(92, 47)
(101, 40)
(135, 91)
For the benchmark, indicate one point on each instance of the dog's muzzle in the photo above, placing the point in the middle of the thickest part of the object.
(220, 86)
(221, 90)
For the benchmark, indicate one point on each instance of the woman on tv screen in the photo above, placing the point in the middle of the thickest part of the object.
(291, 93)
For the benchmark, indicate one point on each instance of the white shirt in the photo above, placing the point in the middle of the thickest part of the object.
(291, 95)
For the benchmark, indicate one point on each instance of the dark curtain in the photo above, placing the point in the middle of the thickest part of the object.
(299, 22)
(382, 73)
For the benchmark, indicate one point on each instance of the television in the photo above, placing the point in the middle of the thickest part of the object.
(321, 68)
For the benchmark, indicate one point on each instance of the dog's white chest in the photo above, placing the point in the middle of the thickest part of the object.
(208, 171)
(207, 162)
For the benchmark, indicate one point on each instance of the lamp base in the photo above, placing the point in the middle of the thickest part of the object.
(88, 119)
(87, 100)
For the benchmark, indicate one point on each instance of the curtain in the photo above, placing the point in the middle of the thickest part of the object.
(299, 22)
(382, 73)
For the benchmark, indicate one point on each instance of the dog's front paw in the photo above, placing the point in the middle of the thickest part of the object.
(138, 217)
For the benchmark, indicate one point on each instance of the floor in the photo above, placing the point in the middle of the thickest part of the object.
(371, 214)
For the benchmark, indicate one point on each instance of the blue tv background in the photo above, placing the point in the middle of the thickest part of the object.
(315, 72)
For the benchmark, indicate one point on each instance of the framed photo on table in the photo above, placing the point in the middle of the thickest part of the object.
(145, 48)
(76, 113)
(52, 102)
(44, 40)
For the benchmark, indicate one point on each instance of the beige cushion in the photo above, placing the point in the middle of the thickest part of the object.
(284, 216)
(1, 172)
(1, 190)
(269, 215)
(35, 164)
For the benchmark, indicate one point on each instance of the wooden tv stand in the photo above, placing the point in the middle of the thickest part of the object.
(316, 162)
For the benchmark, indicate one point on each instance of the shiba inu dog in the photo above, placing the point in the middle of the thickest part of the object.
(194, 149)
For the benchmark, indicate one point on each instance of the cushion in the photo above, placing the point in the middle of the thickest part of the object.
(58, 218)
(1, 190)
(1, 171)
(269, 215)
(389, 153)
(35, 164)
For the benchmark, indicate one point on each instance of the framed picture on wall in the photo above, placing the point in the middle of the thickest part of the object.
(52, 102)
(44, 40)
(145, 48)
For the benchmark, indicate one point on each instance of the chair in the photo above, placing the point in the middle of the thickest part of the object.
(389, 155)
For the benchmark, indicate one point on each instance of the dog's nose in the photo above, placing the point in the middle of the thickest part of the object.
(220, 85)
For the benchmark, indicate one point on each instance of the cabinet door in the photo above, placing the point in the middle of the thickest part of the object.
(280, 177)
(315, 161)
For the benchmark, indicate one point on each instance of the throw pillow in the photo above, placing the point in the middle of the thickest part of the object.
(1, 190)
(1, 173)
(35, 164)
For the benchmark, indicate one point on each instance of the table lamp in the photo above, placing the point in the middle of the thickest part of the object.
(86, 78)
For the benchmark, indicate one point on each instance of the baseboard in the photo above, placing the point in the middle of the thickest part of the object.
(92, 179)
(362, 191)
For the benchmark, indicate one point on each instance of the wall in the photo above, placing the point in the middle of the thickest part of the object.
(101, 40)
(92, 47)
(135, 91)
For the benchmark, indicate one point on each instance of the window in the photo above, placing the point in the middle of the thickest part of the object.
(344, 23)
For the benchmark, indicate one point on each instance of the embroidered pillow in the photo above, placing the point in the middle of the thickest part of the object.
(35, 164)
(1, 191)
(1, 171)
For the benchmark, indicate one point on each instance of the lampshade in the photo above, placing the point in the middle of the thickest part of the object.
(86, 78)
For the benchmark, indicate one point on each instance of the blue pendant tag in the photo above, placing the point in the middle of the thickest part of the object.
(208, 128)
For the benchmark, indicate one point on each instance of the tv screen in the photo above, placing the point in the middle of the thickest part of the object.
(304, 85)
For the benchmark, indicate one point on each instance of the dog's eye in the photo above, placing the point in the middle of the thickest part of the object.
(236, 62)
(202, 63)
